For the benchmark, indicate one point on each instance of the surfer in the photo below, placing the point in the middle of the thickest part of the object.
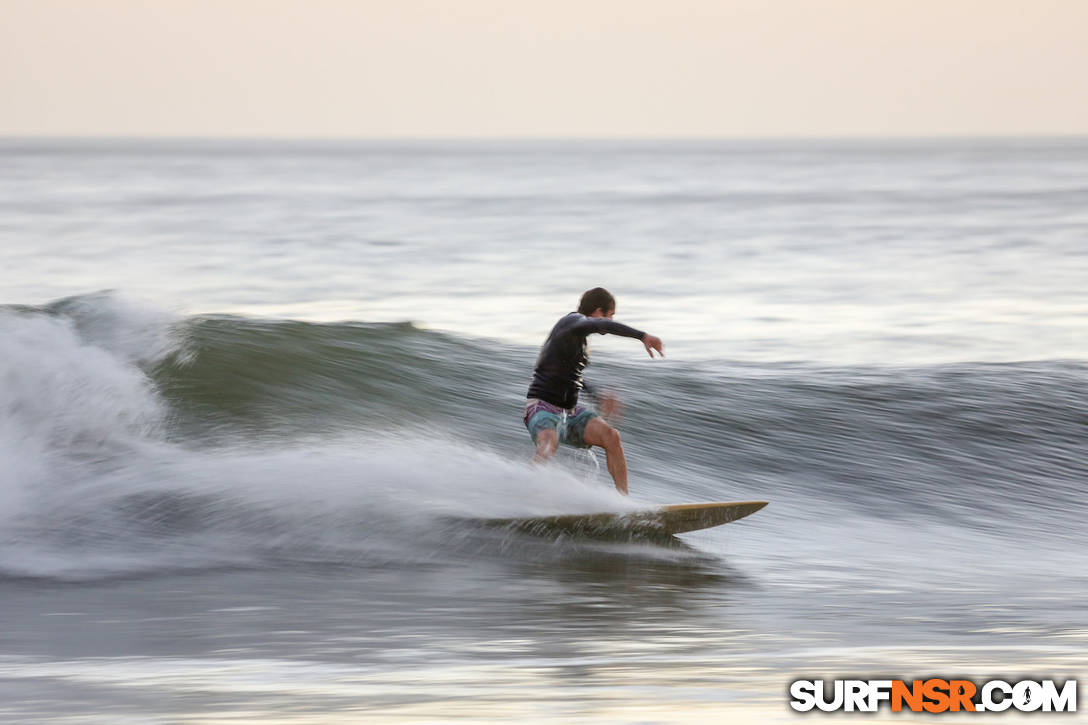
(552, 413)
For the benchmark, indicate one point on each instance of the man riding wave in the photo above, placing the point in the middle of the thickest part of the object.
(552, 413)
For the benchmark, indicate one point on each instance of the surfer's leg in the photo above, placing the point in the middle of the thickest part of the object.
(547, 440)
(599, 433)
(542, 421)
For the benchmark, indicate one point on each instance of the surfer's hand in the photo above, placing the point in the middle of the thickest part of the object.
(608, 405)
(653, 343)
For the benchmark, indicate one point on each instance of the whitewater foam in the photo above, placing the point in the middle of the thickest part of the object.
(92, 485)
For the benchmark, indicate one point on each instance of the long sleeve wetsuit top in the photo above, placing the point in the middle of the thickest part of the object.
(557, 377)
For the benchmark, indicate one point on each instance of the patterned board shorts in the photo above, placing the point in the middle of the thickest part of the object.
(571, 424)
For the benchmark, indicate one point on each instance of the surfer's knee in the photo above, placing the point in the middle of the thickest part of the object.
(603, 434)
(613, 440)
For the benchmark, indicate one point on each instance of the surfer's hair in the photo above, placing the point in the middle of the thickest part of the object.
(594, 298)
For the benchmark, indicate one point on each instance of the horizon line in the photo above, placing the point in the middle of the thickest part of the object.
(540, 137)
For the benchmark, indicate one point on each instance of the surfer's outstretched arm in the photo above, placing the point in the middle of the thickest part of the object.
(605, 325)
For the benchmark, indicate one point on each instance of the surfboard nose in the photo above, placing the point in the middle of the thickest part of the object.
(679, 518)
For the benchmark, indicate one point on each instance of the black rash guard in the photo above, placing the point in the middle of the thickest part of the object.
(558, 374)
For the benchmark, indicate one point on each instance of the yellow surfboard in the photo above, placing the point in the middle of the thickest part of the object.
(661, 521)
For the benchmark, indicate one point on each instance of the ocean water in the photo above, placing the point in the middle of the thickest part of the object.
(253, 393)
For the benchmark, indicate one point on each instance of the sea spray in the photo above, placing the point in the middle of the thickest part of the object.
(96, 481)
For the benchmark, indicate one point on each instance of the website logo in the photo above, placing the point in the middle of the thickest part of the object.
(933, 695)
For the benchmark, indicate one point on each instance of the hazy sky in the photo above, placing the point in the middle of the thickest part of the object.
(543, 68)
